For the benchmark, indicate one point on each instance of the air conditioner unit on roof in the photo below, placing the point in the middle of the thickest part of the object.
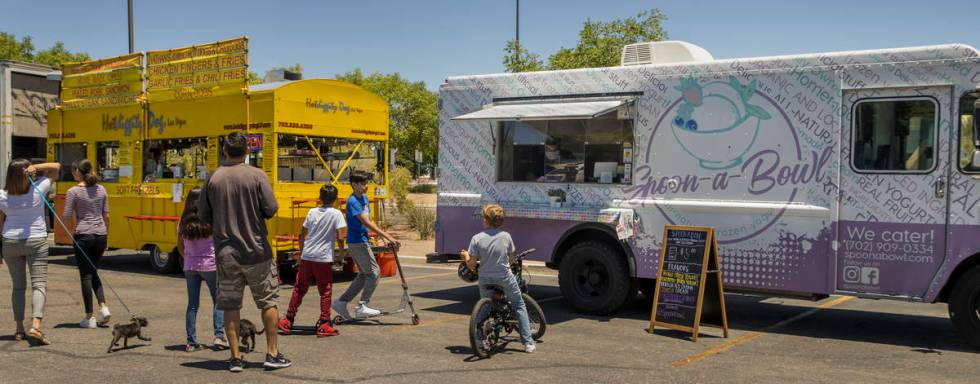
(663, 52)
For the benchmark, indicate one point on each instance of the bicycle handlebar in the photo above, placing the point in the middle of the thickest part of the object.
(525, 253)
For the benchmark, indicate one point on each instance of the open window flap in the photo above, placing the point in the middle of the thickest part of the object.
(550, 110)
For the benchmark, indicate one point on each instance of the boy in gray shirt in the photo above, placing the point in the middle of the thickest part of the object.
(494, 249)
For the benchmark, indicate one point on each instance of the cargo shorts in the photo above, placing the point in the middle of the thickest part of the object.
(262, 279)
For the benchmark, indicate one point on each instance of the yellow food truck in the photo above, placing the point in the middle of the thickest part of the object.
(302, 133)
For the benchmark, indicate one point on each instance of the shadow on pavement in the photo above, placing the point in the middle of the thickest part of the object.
(132, 346)
(219, 365)
(751, 313)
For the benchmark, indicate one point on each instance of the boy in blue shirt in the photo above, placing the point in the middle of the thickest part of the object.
(358, 223)
(494, 249)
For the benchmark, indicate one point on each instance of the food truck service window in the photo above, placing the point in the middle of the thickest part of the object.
(596, 150)
(253, 157)
(175, 159)
(66, 154)
(968, 113)
(895, 135)
(322, 159)
(107, 160)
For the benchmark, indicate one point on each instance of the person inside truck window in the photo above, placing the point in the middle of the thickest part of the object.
(152, 169)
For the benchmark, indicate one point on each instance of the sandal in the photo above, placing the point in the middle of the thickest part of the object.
(35, 337)
(20, 336)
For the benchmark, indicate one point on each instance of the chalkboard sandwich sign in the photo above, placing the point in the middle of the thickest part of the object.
(689, 291)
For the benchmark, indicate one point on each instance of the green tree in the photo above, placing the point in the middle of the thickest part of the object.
(518, 59)
(58, 55)
(23, 50)
(413, 113)
(254, 78)
(600, 43)
(11, 49)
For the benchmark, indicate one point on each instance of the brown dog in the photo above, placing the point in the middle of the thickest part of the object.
(124, 331)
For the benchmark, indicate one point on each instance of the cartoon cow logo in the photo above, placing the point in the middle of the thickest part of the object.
(717, 112)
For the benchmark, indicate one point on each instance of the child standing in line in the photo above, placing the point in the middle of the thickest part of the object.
(317, 244)
(197, 247)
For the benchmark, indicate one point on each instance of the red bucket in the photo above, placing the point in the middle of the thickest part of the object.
(386, 260)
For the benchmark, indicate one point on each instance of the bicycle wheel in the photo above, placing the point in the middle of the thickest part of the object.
(482, 334)
(535, 316)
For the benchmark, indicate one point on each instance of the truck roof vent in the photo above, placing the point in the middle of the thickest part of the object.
(276, 75)
(663, 52)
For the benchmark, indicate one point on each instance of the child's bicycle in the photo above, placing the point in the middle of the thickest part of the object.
(493, 318)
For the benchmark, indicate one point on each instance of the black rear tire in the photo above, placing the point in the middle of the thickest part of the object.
(481, 342)
(535, 316)
(594, 278)
(163, 262)
(964, 306)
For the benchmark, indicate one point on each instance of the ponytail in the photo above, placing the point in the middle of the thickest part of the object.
(84, 168)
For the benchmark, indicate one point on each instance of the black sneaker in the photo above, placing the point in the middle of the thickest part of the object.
(279, 361)
(236, 365)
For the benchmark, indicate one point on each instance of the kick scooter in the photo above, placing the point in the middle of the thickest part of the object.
(406, 298)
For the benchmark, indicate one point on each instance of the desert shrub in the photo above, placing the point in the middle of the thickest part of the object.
(400, 179)
(423, 221)
(424, 188)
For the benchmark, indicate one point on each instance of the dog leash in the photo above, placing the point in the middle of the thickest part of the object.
(78, 246)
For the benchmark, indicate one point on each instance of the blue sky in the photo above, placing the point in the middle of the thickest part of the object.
(430, 39)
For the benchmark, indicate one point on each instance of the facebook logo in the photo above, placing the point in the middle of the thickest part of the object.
(869, 276)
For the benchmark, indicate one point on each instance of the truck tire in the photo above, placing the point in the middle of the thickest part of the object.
(964, 306)
(594, 278)
(162, 262)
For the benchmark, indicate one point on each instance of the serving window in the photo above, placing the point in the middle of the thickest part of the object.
(175, 159)
(596, 150)
(323, 159)
(67, 154)
(107, 160)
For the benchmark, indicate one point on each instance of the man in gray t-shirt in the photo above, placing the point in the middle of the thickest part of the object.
(236, 200)
(493, 249)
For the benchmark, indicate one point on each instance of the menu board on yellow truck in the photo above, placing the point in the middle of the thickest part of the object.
(102, 83)
(216, 69)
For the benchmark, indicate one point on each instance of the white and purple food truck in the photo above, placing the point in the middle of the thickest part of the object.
(851, 173)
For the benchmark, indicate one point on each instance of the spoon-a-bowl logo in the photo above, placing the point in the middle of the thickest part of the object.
(738, 145)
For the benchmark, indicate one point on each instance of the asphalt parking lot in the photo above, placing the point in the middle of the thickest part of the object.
(772, 340)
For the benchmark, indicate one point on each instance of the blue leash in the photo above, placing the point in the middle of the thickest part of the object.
(77, 246)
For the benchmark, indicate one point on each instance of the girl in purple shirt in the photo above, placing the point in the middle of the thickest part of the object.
(197, 247)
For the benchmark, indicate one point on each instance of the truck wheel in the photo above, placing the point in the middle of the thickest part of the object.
(964, 306)
(162, 262)
(594, 278)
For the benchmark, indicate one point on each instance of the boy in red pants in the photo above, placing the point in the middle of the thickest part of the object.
(317, 243)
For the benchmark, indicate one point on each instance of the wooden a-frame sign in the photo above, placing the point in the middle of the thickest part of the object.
(689, 291)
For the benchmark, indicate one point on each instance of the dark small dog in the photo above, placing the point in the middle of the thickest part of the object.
(124, 331)
(247, 332)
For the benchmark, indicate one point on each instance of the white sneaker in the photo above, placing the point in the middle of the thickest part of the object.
(104, 316)
(88, 323)
(364, 311)
(529, 348)
(340, 308)
(219, 343)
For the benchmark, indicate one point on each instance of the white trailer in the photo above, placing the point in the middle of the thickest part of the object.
(27, 92)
